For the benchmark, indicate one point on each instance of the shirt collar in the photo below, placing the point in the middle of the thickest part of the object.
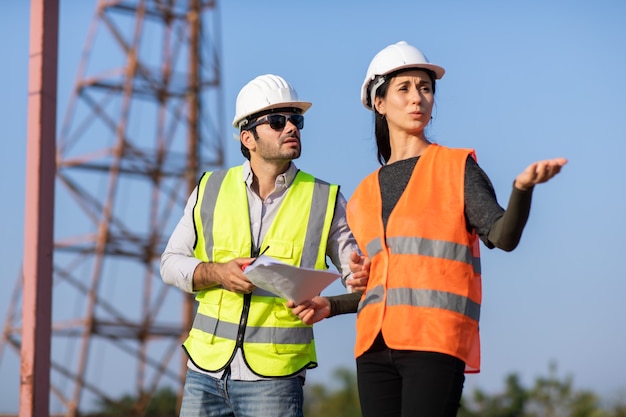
(283, 180)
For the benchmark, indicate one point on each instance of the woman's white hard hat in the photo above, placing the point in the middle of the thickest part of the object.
(265, 92)
(394, 57)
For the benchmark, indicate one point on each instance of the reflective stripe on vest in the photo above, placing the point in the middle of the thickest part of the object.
(424, 290)
(427, 247)
(423, 298)
(275, 342)
(296, 335)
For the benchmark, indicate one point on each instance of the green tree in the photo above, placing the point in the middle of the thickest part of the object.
(162, 403)
(343, 402)
(619, 410)
(511, 403)
(555, 397)
(550, 396)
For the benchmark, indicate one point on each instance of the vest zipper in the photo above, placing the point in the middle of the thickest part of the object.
(243, 321)
(245, 311)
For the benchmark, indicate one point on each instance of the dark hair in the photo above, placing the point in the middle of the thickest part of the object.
(381, 129)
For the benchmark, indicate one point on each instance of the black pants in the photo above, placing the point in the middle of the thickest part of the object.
(401, 383)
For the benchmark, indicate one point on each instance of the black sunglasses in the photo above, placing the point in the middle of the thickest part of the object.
(278, 121)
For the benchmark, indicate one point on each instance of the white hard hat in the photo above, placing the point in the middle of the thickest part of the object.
(266, 92)
(395, 57)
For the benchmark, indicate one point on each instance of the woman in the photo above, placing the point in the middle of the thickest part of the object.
(417, 220)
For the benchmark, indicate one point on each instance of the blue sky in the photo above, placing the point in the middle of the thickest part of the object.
(525, 80)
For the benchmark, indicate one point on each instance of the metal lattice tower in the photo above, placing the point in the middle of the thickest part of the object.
(144, 119)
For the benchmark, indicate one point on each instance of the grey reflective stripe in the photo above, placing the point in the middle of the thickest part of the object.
(212, 326)
(476, 265)
(213, 185)
(372, 296)
(261, 292)
(403, 245)
(433, 299)
(374, 247)
(423, 298)
(315, 225)
(279, 335)
(276, 335)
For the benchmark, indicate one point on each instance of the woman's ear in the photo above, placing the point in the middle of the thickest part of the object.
(379, 105)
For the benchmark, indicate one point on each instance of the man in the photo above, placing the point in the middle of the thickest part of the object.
(248, 353)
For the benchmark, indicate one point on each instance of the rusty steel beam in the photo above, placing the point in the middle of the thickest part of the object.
(39, 210)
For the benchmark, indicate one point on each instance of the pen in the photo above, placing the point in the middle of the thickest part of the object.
(243, 267)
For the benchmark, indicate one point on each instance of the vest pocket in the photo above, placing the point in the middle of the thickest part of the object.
(222, 254)
(207, 316)
(280, 249)
(288, 334)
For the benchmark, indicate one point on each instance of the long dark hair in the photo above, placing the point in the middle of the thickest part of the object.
(381, 129)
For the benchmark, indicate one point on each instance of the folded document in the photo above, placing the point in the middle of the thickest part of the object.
(287, 281)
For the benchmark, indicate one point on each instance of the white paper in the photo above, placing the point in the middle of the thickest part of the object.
(287, 281)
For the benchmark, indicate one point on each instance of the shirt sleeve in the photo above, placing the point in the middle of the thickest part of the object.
(496, 227)
(341, 242)
(178, 261)
(344, 304)
(481, 205)
(506, 232)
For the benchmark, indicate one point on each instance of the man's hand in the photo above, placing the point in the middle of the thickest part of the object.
(311, 311)
(229, 275)
(360, 267)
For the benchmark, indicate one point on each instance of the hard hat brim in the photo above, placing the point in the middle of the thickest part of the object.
(439, 71)
(302, 105)
(436, 69)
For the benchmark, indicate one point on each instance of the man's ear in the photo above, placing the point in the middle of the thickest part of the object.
(247, 139)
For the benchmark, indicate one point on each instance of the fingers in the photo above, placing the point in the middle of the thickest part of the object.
(304, 313)
(366, 263)
(545, 170)
(243, 262)
(309, 317)
(360, 268)
(559, 161)
(311, 311)
(233, 279)
(539, 172)
(355, 262)
(300, 308)
(242, 286)
(359, 263)
(357, 284)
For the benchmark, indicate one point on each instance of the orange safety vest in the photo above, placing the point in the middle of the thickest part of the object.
(424, 289)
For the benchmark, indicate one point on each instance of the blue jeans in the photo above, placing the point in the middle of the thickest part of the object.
(205, 396)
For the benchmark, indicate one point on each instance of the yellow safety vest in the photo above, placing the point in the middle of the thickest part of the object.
(274, 342)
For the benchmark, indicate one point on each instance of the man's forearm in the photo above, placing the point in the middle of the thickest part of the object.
(205, 276)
